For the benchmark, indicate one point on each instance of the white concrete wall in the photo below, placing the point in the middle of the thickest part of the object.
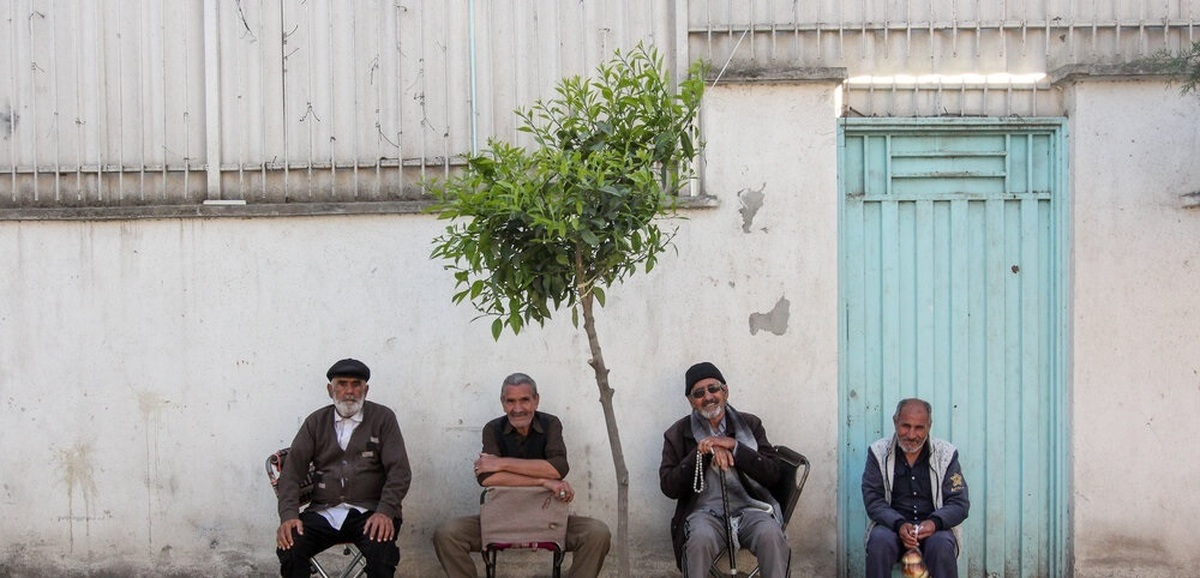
(1135, 149)
(147, 368)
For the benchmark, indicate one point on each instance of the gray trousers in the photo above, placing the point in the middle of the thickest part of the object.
(704, 540)
(588, 540)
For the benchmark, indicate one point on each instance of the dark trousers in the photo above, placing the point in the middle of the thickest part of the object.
(318, 536)
(884, 549)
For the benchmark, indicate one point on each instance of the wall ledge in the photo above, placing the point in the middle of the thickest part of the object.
(1072, 73)
(779, 75)
(254, 210)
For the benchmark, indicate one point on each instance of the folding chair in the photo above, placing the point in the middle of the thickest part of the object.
(352, 570)
(794, 468)
(522, 518)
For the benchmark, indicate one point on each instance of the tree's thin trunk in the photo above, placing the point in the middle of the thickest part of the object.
(614, 434)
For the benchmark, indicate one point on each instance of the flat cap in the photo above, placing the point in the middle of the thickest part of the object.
(349, 368)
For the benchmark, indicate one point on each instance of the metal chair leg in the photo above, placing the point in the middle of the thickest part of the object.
(489, 562)
(558, 560)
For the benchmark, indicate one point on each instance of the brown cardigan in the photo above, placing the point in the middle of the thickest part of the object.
(372, 472)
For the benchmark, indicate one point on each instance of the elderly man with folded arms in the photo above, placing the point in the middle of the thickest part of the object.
(523, 447)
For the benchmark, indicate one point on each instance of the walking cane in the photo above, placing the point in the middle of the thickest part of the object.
(728, 527)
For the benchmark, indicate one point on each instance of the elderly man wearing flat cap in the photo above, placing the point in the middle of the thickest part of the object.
(361, 475)
(712, 442)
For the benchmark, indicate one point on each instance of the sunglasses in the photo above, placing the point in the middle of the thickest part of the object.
(699, 392)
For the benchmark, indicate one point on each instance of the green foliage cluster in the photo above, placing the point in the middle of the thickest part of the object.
(533, 230)
(1184, 65)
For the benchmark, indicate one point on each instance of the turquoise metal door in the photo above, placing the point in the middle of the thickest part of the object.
(952, 278)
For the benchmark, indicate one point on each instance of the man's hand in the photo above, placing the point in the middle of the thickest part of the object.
(912, 534)
(721, 448)
(283, 536)
(560, 488)
(379, 528)
(488, 464)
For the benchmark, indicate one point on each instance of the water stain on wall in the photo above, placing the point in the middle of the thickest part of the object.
(151, 405)
(8, 121)
(75, 468)
(775, 320)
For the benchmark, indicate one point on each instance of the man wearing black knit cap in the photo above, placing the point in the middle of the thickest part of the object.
(716, 441)
(361, 474)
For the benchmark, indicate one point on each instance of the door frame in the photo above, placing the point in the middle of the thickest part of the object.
(1061, 529)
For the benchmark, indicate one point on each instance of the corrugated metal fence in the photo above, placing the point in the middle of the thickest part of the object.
(140, 102)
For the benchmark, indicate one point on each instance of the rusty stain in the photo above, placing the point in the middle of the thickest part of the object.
(752, 201)
(76, 471)
(775, 320)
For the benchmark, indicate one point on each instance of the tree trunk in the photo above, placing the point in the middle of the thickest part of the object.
(614, 433)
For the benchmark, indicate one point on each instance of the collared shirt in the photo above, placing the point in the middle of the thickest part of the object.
(912, 494)
(344, 428)
(543, 442)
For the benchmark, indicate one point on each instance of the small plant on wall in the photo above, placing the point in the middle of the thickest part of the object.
(1183, 65)
(534, 231)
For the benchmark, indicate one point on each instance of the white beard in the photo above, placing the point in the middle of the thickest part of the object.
(347, 408)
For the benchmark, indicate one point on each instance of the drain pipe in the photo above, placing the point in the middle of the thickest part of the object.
(474, 80)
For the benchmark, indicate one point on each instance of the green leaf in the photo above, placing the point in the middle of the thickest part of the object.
(497, 328)
(599, 294)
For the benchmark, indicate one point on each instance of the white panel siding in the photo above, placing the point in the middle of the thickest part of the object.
(134, 102)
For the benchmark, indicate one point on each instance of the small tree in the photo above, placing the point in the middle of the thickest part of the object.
(533, 231)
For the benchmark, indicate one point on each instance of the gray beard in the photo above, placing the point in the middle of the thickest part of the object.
(712, 412)
(905, 446)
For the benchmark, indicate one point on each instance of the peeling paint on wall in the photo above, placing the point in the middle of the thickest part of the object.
(751, 201)
(775, 320)
(75, 467)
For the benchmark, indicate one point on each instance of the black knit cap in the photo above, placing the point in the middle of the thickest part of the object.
(349, 368)
(702, 370)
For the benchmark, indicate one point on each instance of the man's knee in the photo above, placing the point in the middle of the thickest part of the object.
(385, 554)
(702, 532)
(585, 532)
(773, 536)
(457, 531)
(883, 543)
(941, 544)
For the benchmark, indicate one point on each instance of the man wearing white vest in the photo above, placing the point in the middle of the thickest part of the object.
(915, 494)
